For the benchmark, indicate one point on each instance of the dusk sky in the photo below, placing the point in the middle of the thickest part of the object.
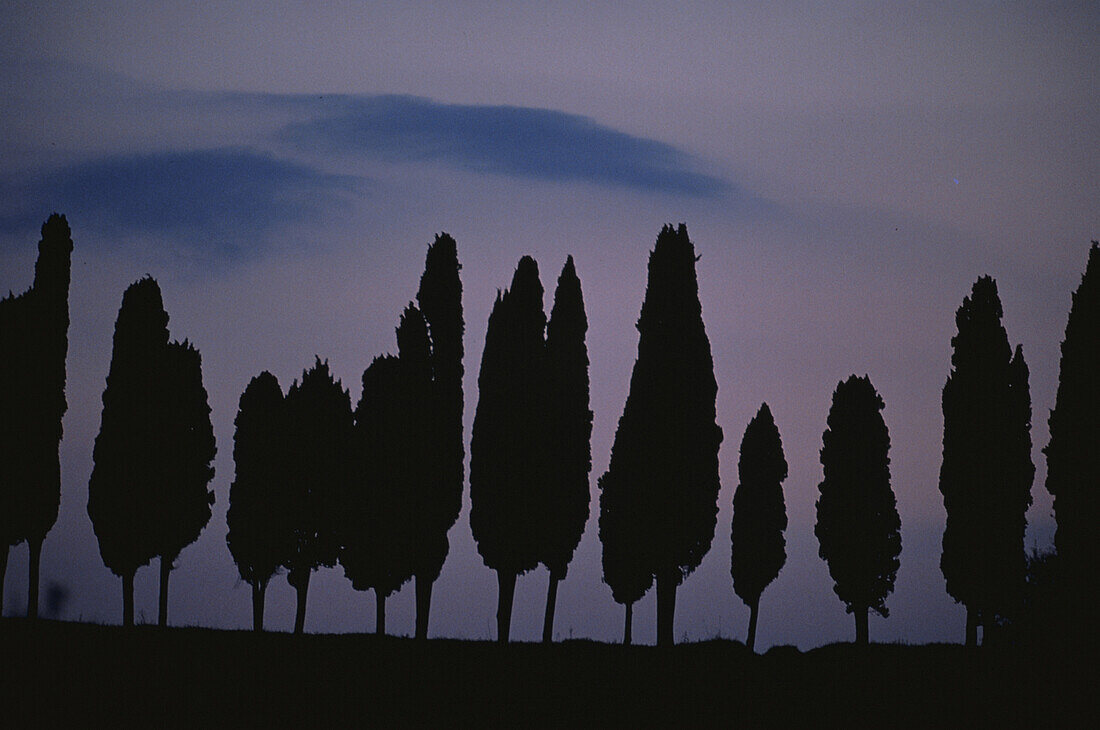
(845, 170)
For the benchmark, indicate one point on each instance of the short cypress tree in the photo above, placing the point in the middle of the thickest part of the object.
(1073, 454)
(625, 567)
(386, 514)
(986, 474)
(319, 432)
(182, 499)
(440, 300)
(759, 515)
(257, 516)
(127, 451)
(858, 527)
(507, 463)
(666, 445)
(33, 345)
(568, 436)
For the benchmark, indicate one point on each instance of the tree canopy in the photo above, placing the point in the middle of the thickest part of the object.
(258, 516)
(1073, 453)
(858, 527)
(986, 474)
(666, 445)
(758, 550)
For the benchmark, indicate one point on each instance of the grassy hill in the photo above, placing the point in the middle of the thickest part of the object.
(69, 674)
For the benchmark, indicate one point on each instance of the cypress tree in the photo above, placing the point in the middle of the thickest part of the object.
(568, 435)
(128, 447)
(759, 515)
(385, 518)
(257, 516)
(33, 345)
(440, 300)
(182, 498)
(858, 527)
(319, 431)
(666, 445)
(625, 569)
(987, 471)
(1073, 454)
(507, 463)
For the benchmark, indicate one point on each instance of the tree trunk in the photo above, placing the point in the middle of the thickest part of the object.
(128, 599)
(666, 607)
(754, 612)
(551, 603)
(506, 590)
(3, 571)
(861, 625)
(301, 585)
(379, 613)
(35, 547)
(258, 590)
(628, 624)
(971, 627)
(423, 605)
(162, 604)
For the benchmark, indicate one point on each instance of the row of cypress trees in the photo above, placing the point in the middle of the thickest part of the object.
(374, 489)
(377, 488)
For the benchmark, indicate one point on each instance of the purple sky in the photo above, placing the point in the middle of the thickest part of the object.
(846, 174)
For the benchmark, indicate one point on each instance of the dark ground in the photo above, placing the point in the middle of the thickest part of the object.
(79, 675)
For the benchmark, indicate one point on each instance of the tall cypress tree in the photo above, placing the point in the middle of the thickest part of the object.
(257, 517)
(858, 527)
(319, 418)
(1073, 454)
(440, 300)
(987, 471)
(758, 550)
(666, 445)
(507, 464)
(182, 500)
(33, 345)
(568, 436)
(128, 447)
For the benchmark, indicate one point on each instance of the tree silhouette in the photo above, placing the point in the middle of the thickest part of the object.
(182, 500)
(319, 418)
(127, 452)
(666, 445)
(625, 568)
(987, 471)
(858, 527)
(759, 515)
(258, 517)
(1073, 454)
(507, 448)
(33, 345)
(440, 300)
(385, 516)
(568, 436)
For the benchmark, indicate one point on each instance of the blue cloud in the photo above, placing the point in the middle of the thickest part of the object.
(222, 201)
(509, 140)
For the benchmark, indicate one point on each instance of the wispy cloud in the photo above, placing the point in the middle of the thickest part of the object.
(525, 142)
(222, 201)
